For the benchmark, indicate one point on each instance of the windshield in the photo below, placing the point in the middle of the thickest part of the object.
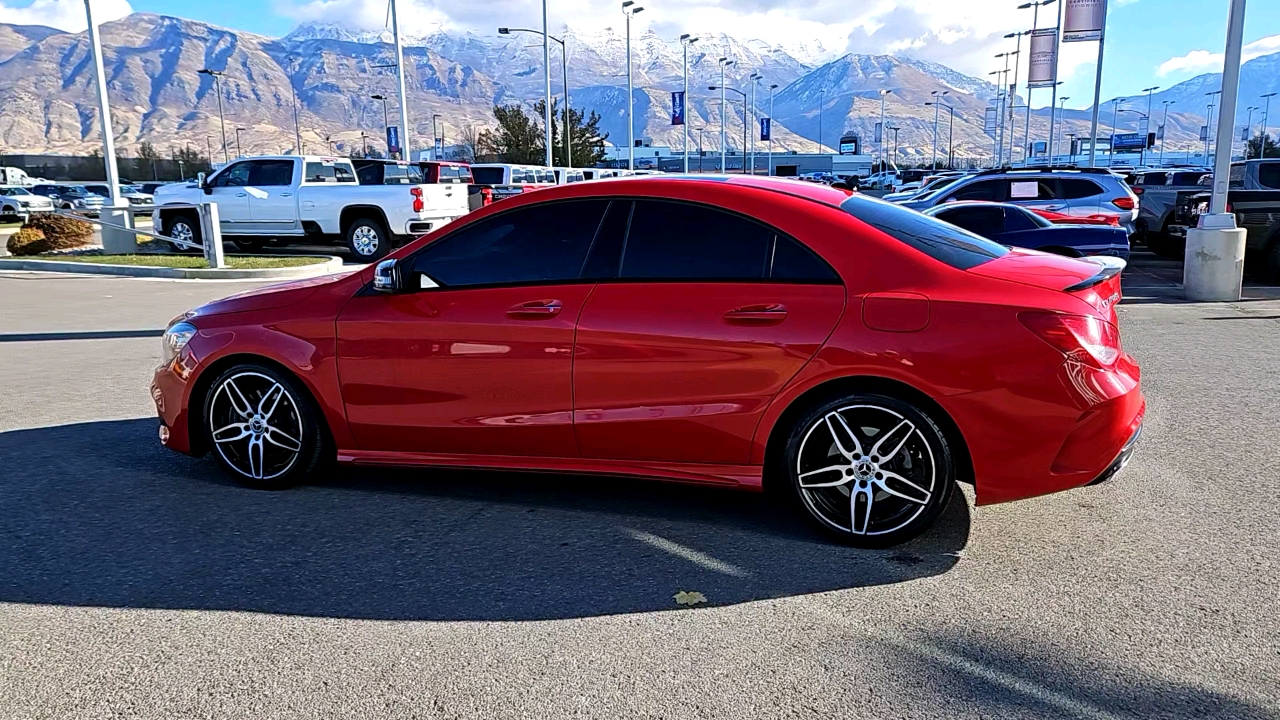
(13, 191)
(944, 183)
(939, 240)
(75, 190)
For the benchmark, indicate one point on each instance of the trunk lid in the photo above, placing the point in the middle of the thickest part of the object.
(1095, 280)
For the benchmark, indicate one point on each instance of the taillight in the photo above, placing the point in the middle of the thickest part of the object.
(1123, 202)
(1137, 190)
(487, 195)
(1089, 339)
(416, 192)
(1229, 208)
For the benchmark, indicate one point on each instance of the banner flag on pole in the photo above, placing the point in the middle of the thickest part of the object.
(677, 108)
(1044, 58)
(1083, 20)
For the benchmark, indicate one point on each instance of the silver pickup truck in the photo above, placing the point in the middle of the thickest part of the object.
(1157, 200)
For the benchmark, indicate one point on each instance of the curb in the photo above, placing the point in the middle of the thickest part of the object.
(331, 265)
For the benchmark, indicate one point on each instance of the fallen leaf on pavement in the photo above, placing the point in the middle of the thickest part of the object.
(689, 598)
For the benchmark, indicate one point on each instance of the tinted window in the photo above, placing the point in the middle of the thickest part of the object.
(487, 175)
(985, 221)
(939, 240)
(328, 172)
(270, 173)
(1017, 219)
(1269, 175)
(533, 245)
(102, 189)
(1155, 178)
(1074, 188)
(1185, 178)
(396, 174)
(793, 262)
(670, 240)
(993, 190)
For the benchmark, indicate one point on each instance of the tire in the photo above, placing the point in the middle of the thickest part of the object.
(183, 226)
(1271, 268)
(248, 244)
(854, 499)
(262, 427)
(368, 240)
(1166, 245)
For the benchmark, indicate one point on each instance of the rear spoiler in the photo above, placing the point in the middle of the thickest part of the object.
(1110, 267)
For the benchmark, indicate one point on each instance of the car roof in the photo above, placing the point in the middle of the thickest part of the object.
(823, 194)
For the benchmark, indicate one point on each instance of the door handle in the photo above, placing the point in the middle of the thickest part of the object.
(535, 309)
(764, 313)
(286, 194)
(241, 194)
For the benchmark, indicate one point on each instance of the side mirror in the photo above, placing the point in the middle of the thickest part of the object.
(386, 277)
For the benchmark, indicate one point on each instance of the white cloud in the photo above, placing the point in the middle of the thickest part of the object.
(1205, 61)
(63, 14)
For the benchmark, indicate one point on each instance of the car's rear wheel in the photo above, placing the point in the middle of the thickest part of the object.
(1166, 245)
(1272, 261)
(368, 240)
(263, 427)
(869, 470)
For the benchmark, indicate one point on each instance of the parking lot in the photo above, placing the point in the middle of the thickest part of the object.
(135, 582)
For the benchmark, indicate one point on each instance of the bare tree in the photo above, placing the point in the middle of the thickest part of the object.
(469, 147)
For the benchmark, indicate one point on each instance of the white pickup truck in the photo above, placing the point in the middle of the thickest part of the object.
(290, 198)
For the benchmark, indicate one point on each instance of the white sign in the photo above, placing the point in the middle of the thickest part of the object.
(1027, 190)
(1084, 20)
(989, 122)
(1044, 58)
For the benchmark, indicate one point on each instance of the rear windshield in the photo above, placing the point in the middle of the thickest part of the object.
(1269, 175)
(487, 175)
(939, 240)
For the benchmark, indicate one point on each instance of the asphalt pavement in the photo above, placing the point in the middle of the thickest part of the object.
(138, 583)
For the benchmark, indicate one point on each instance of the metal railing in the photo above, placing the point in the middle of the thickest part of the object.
(207, 213)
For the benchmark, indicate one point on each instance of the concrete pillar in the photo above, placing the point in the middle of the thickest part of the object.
(1214, 263)
(114, 240)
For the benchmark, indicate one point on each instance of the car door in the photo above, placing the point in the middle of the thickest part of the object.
(1022, 228)
(228, 189)
(1084, 197)
(476, 357)
(710, 316)
(272, 204)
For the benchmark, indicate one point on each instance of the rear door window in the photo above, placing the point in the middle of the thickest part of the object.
(682, 241)
(1076, 188)
(985, 221)
(989, 190)
(328, 173)
(270, 173)
(1153, 178)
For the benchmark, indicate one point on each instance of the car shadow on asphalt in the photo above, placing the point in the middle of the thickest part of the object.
(98, 514)
(975, 673)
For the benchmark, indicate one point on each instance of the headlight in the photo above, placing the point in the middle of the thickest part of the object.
(176, 338)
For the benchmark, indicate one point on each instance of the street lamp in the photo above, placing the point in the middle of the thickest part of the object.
(1164, 129)
(755, 80)
(884, 156)
(1248, 128)
(1208, 124)
(328, 140)
(1142, 161)
(722, 88)
(383, 98)
(895, 142)
(1056, 141)
(239, 152)
(1146, 130)
(1266, 115)
(1026, 128)
(1111, 146)
(217, 83)
(724, 63)
(1002, 95)
(364, 140)
(564, 74)
(629, 8)
(1017, 51)
(771, 89)
(685, 41)
(950, 130)
(933, 163)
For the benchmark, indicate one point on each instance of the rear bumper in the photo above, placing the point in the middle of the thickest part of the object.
(1121, 460)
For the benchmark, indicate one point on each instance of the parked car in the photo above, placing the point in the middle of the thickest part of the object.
(1080, 191)
(565, 176)
(440, 171)
(1157, 192)
(18, 203)
(1253, 189)
(920, 190)
(132, 194)
(855, 356)
(76, 198)
(1017, 226)
(499, 181)
(882, 180)
(286, 198)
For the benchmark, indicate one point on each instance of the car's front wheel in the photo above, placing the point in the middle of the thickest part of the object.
(869, 470)
(263, 427)
(185, 227)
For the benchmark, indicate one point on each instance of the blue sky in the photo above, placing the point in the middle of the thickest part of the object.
(1150, 42)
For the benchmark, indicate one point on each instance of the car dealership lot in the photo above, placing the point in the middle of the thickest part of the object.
(137, 582)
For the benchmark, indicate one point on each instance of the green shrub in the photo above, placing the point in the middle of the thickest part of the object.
(62, 233)
(28, 241)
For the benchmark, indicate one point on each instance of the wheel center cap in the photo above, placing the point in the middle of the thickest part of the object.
(863, 468)
(257, 425)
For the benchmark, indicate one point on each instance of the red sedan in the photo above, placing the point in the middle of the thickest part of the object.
(858, 357)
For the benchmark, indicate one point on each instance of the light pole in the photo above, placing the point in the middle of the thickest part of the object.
(104, 112)
(938, 104)
(1208, 125)
(1056, 142)
(364, 140)
(217, 84)
(1026, 128)
(239, 152)
(208, 147)
(1248, 129)
(724, 63)
(437, 135)
(895, 142)
(1111, 146)
(1145, 120)
(1003, 95)
(297, 129)
(1147, 130)
(884, 133)
(328, 140)
(722, 89)
(1071, 152)
(406, 137)
(1266, 115)
(685, 41)
(383, 98)
(933, 163)
(822, 101)
(1164, 129)
(564, 74)
(1017, 54)
(629, 8)
(755, 80)
(771, 89)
